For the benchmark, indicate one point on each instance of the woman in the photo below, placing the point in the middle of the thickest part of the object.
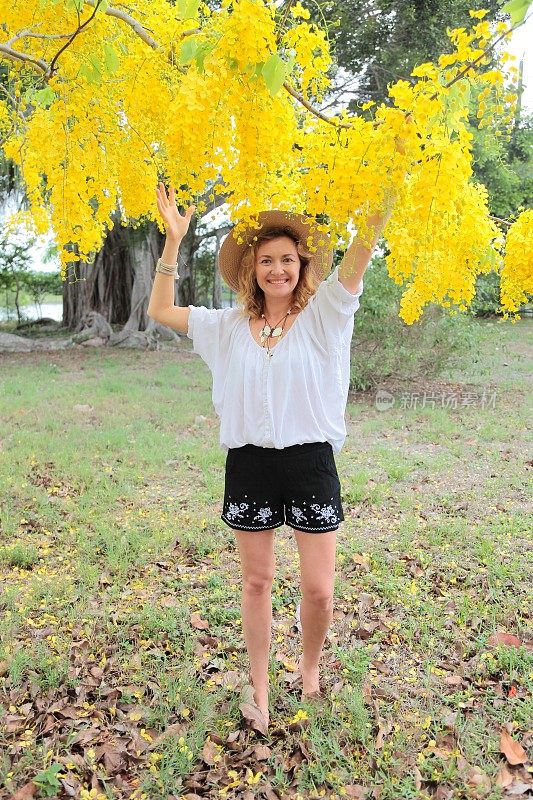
(280, 363)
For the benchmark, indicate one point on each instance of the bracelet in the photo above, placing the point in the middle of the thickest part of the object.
(167, 269)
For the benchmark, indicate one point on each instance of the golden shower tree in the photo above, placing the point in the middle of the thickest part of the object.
(99, 104)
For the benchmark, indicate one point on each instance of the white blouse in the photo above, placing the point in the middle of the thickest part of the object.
(299, 393)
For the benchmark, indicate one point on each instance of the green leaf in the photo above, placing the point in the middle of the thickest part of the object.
(517, 10)
(257, 69)
(188, 9)
(44, 97)
(47, 780)
(92, 69)
(111, 58)
(188, 51)
(274, 72)
(203, 50)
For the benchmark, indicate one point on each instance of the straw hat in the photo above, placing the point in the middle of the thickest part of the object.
(230, 254)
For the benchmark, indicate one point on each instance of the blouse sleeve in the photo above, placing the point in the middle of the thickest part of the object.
(208, 329)
(335, 306)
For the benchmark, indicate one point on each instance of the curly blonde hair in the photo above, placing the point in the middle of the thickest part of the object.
(250, 295)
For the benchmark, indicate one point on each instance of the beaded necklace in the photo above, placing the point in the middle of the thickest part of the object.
(267, 331)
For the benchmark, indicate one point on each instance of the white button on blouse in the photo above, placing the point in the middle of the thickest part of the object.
(296, 395)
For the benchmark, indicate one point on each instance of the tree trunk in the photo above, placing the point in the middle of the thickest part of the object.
(118, 284)
(217, 278)
(105, 285)
(186, 293)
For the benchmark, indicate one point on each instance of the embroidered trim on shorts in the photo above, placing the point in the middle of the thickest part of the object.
(242, 527)
(241, 511)
(300, 528)
(315, 512)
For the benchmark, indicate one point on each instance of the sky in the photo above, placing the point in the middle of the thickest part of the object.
(519, 45)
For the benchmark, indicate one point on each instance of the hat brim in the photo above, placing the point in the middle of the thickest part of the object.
(231, 251)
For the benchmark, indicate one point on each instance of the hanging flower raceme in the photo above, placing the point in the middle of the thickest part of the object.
(517, 273)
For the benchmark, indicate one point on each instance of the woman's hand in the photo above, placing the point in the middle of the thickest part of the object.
(176, 226)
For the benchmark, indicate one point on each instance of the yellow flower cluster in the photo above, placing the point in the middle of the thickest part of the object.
(198, 102)
(310, 46)
(247, 32)
(516, 278)
(5, 119)
(297, 10)
(495, 103)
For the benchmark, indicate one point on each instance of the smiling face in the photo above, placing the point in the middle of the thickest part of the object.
(277, 266)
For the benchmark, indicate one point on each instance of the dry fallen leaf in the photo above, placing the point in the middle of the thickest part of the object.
(479, 779)
(198, 622)
(518, 788)
(209, 752)
(251, 711)
(453, 680)
(504, 777)
(418, 778)
(513, 751)
(262, 752)
(443, 793)
(26, 792)
(356, 791)
(501, 637)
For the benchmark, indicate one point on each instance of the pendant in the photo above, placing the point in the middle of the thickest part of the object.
(267, 331)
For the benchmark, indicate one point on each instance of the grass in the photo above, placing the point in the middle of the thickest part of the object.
(121, 647)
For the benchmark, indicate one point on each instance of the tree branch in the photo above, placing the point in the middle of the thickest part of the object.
(145, 36)
(224, 229)
(15, 55)
(301, 99)
(503, 221)
(25, 34)
(338, 90)
(475, 61)
(76, 32)
(211, 205)
(140, 31)
(285, 15)
(133, 23)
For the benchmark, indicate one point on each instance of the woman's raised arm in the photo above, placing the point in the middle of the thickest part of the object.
(161, 304)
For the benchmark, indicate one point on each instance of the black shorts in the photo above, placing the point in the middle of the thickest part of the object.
(298, 485)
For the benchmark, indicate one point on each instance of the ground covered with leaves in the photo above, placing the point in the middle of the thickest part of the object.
(121, 652)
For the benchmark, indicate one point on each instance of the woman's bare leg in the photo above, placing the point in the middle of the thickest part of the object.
(317, 568)
(256, 549)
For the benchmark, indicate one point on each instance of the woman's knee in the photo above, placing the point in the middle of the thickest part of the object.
(321, 596)
(257, 583)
